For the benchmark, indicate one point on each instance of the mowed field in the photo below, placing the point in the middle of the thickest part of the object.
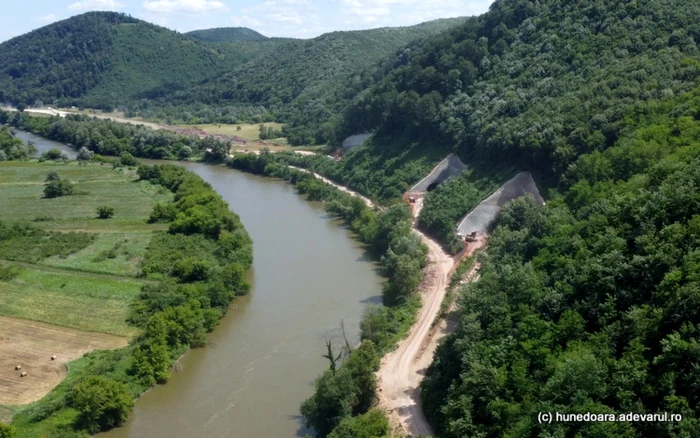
(249, 131)
(78, 302)
(32, 344)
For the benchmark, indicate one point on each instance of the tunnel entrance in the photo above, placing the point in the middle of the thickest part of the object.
(432, 186)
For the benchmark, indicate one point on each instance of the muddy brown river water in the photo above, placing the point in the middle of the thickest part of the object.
(308, 275)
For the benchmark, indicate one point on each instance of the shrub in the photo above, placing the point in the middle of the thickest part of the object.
(126, 159)
(162, 212)
(52, 176)
(27, 243)
(373, 424)
(56, 186)
(8, 273)
(85, 154)
(7, 431)
(105, 212)
(103, 403)
(54, 154)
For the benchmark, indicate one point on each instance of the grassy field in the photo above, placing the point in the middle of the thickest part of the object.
(92, 288)
(111, 253)
(90, 302)
(22, 184)
(249, 131)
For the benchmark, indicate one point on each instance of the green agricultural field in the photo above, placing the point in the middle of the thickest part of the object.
(90, 302)
(111, 253)
(88, 286)
(249, 131)
(22, 184)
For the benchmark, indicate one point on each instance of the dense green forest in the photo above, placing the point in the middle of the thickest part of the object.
(104, 59)
(226, 35)
(590, 303)
(526, 86)
(298, 78)
(195, 269)
(532, 83)
(109, 60)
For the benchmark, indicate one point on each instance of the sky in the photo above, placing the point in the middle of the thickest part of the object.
(279, 18)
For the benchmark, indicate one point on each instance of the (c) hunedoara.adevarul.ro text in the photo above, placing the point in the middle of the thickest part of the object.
(559, 417)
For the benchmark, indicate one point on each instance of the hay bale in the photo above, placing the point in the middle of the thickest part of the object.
(18, 367)
(53, 357)
(23, 374)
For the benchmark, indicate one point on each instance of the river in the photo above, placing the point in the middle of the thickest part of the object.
(308, 275)
(43, 145)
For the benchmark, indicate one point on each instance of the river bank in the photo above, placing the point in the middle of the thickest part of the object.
(308, 275)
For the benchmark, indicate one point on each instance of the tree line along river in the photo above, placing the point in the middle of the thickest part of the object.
(308, 275)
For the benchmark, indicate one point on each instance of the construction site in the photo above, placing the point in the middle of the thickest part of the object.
(402, 370)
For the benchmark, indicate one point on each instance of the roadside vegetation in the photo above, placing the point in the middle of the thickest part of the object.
(345, 393)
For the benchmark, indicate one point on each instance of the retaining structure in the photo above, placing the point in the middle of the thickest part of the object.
(446, 168)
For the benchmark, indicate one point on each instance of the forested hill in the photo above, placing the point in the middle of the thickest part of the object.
(296, 74)
(532, 82)
(226, 34)
(590, 303)
(103, 59)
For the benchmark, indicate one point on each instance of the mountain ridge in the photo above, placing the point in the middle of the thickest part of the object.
(226, 34)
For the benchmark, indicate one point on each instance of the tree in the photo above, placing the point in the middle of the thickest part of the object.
(102, 403)
(105, 212)
(152, 361)
(126, 159)
(332, 358)
(56, 186)
(332, 401)
(84, 154)
(54, 154)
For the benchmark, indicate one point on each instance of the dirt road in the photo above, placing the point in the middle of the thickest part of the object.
(367, 201)
(254, 145)
(402, 370)
(400, 375)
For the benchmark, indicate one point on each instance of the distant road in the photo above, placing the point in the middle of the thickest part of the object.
(63, 113)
